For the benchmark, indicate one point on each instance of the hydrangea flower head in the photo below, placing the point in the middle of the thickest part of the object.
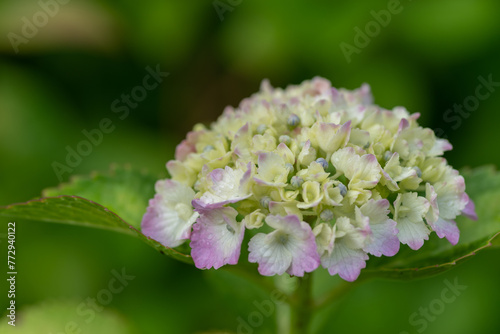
(307, 176)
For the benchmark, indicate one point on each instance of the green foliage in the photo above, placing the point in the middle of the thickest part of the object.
(123, 191)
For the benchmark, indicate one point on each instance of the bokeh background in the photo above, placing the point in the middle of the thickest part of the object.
(65, 76)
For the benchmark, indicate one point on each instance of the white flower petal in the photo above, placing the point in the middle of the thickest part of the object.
(411, 233)
(344, 261)
(170, 214)
(291, 247)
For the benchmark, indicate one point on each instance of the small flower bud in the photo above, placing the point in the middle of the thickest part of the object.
(254, 220)
(343, 189)
(285, 139)
(261, 129)
(387, 155)
(322, 162)
(264, 202)
(289, 167)
(296, 181)
(419, 172)
(293, 121)
(326, 215)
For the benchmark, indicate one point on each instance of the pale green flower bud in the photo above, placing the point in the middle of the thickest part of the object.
(254, 220)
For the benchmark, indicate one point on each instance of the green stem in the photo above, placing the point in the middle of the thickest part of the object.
(337, 292)
(301, 306)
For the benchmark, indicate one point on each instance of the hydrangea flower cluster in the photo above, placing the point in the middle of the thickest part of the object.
(313, 176)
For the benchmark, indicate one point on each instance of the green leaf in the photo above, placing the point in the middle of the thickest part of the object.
(115, 201)
(122, 190)
(438, 255)
(79, 211)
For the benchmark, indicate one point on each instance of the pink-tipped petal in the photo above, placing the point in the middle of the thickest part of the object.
(345, 261)
(183, 150)
(291, 247)
(448, 229)
(228, 186)
(470, 209)
(169, 216)
(383, 239)
(216, 238)
(403, 124)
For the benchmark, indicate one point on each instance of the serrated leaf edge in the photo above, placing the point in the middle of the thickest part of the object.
(381, 272)
(113, 168)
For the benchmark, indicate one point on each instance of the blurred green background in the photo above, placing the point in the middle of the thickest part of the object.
(64, 78)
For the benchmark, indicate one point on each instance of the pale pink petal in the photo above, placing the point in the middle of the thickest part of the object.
(187, 146)
(451, 197)
(365, 93)
(344, 261)
(433, 213)
(321, 85)
(216, 238)
(291, 247)
(443, 227)
(331, 136)
(383, 239)
(169, 216)
(228, 186)
(273, 258)
(305, 257)
(183, 150)
(337, 98)
(403, 124)
(448, 229)
(470, 209)
(440, 146)
(367, 173)
(164, 225)
(389, 182)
